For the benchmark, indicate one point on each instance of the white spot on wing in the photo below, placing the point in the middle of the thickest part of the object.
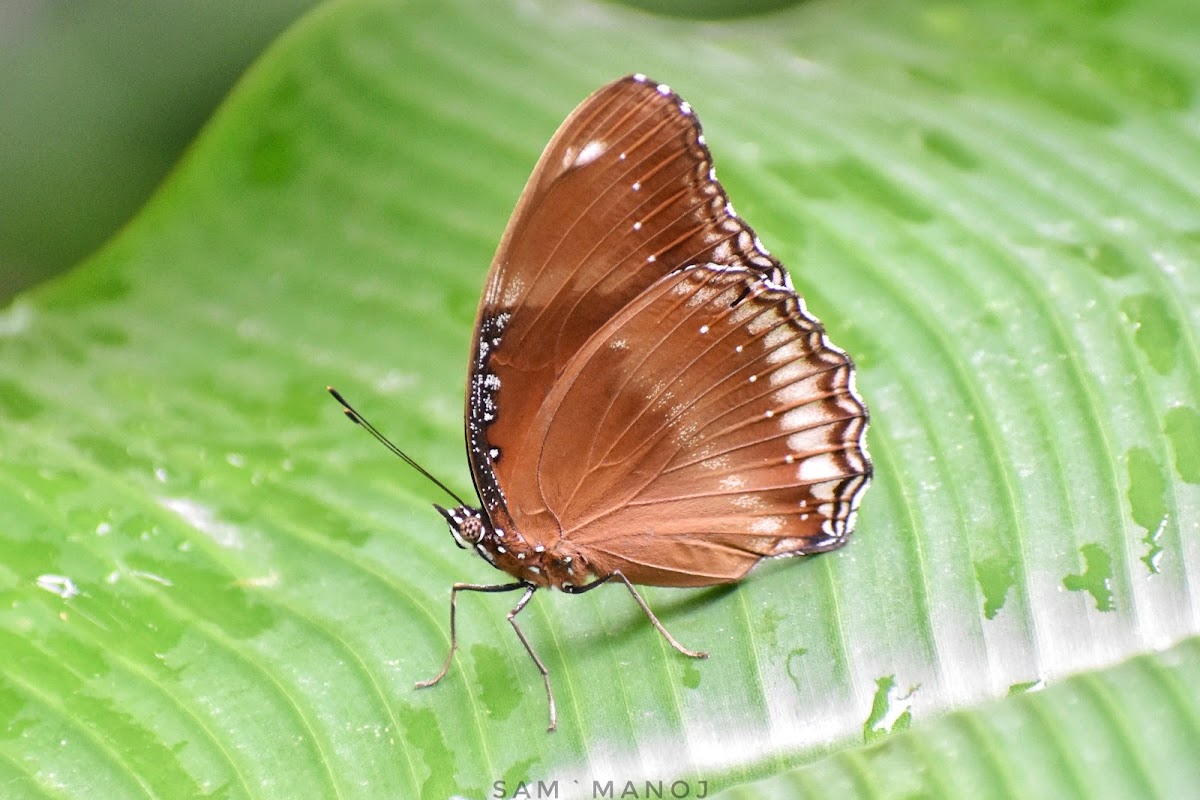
(789, 378)
(733, 482)
(767, 525)
(512, 292)
(805, 416)
(589, 153)
(777, 337)
(807, 441)
(819, 468)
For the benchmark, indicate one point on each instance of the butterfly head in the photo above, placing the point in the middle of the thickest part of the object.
(466, 524)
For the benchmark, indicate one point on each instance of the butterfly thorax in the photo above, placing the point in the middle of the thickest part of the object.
(560, 566)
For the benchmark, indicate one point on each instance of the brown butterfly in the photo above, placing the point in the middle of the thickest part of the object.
(648, 398)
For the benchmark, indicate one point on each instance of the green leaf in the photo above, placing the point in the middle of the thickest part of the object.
(1132, 730)
(212, 585)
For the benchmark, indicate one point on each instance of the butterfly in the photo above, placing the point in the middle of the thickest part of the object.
(648, 399)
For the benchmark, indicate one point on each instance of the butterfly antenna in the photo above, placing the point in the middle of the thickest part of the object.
(358, 419)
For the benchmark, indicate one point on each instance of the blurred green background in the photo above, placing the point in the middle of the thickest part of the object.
(97, 101)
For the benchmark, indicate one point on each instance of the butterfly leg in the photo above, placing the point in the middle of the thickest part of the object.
(512, 618)
(465, 587)
(666, 634)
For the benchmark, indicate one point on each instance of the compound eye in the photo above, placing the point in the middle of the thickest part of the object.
(466, 525)
(470, 530)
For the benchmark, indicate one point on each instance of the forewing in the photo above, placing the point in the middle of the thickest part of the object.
(623, 194)
(708, 425)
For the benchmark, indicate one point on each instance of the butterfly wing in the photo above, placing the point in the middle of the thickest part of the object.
(708, 425)
(623, 194)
